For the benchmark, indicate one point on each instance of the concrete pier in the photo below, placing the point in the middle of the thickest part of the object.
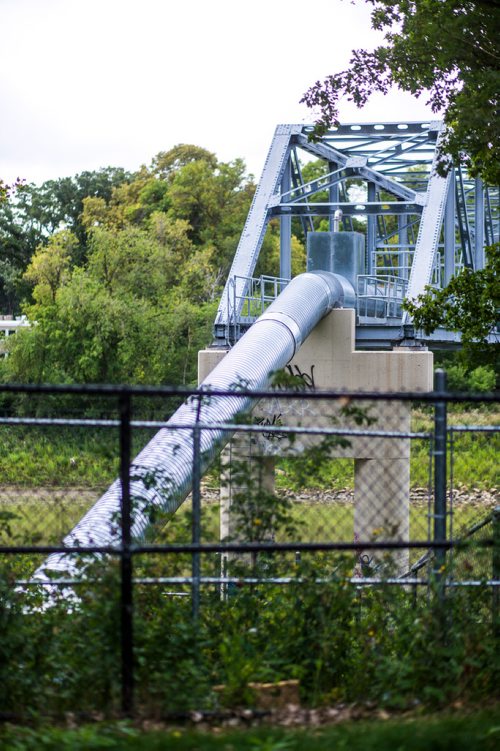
(327, 360)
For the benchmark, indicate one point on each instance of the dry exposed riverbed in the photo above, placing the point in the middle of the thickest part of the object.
(475, 497)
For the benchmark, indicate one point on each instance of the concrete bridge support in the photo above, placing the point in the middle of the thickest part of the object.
(327, 360)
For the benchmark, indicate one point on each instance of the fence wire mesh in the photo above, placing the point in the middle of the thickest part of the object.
(344, 470)
(330, 512)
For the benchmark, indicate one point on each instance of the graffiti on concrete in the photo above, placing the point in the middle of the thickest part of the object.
(293, 378)
(272, 435)
(306, 378)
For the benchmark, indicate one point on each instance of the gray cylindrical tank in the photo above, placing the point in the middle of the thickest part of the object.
(339, 252)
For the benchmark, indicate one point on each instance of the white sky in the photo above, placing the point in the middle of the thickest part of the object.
(90, 83)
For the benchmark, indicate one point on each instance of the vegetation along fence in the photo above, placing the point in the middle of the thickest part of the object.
(344, 544)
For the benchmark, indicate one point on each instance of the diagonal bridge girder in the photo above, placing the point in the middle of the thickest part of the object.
(359, 166)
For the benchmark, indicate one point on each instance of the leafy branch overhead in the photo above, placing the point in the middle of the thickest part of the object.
(447, 51)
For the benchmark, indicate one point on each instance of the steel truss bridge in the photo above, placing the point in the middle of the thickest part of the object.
(420, 227)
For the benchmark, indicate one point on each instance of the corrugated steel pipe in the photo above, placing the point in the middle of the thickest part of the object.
(161, 474)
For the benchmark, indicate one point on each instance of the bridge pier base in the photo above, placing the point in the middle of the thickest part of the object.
(381, 509)
(328, 360)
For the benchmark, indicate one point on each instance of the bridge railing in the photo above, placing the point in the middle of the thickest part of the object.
(248, 299)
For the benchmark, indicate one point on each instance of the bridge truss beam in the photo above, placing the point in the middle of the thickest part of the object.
(420, 227)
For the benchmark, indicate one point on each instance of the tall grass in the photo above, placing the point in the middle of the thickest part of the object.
(33, 456)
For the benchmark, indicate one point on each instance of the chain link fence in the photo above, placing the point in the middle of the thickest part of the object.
(396, 490)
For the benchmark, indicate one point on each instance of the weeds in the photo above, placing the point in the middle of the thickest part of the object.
(343, 644)
(393, 647)
(458, 731)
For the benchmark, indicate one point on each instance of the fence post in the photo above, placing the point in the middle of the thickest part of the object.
(440, 435)
(126, 615)
(196, 517)
(495, 572)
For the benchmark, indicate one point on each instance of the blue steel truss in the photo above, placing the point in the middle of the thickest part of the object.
(420, 227)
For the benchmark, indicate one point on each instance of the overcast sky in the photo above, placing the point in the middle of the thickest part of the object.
(90, 83)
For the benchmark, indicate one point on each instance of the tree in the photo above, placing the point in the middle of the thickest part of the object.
(19, 239)
(202, 195)
(166, 163)
(188, 184)
(15, 254)
(31, 214)
(269, 257)
(6, 189)
(138, 261)
(130, 297)
(469, 304)
(447, 50)
(49, 266)
(133, 313)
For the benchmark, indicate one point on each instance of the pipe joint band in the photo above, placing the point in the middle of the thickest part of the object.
(286, 320)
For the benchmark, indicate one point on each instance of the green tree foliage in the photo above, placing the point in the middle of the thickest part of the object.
(448, 51)
(59, 203)
(186, 183)
(167, 163)
(468, 304)
(29, 216)
(269, 258)
(463, 376)
(6, 189)
(122, 272)
(49, 266)
(18, 242)
(122, 316)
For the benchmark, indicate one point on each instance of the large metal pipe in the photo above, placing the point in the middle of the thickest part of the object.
(161, 474)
